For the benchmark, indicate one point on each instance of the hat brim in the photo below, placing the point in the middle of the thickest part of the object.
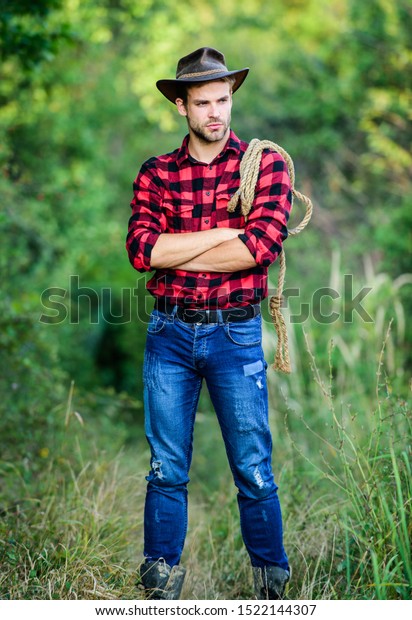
(170, 88)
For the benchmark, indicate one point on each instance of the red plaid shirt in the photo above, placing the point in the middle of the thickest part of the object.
(174, 193)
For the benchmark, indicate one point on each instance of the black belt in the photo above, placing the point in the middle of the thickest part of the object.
(193, 315)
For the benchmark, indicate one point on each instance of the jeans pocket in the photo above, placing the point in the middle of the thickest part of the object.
(245, 333)
(156, 324)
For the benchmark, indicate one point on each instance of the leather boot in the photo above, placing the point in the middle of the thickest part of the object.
(160, 581)
(270, 582)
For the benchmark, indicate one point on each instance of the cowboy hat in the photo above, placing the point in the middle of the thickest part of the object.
(202, 65)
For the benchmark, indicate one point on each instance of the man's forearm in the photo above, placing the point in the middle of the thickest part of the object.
(227, 257)
(173, 249)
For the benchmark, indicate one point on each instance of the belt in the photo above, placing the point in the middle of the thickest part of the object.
(193, 315)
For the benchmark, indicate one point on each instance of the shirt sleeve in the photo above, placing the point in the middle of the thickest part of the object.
(147, 221)
(266, 227)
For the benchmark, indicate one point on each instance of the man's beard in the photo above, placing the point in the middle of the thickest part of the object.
(206, 135)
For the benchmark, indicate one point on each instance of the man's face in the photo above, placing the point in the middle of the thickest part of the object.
(208, 110)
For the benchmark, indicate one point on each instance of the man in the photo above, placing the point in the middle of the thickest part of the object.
(211, 275)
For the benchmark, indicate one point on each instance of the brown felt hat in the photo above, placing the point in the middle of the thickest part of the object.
(203, 65)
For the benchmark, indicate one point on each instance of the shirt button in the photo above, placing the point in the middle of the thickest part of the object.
(207, 193)
(210, 167)
(206, 221)
(203, 275)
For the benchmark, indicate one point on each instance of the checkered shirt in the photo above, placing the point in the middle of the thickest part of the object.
(174, 193)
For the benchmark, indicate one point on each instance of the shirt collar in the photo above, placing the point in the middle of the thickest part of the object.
(232, 144)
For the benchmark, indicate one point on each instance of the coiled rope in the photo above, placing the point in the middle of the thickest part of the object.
(249, 173)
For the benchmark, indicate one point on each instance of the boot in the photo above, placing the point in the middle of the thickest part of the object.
(270, 582)
(162, 582)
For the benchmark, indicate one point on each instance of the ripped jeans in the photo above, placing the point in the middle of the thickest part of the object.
(229, 357)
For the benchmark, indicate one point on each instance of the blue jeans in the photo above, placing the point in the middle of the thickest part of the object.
(229, 357)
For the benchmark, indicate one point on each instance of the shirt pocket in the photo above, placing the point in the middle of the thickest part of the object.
(222, 216)
(179, 215)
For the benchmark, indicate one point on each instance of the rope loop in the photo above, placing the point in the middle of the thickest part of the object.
(275, 303)
(249, 173)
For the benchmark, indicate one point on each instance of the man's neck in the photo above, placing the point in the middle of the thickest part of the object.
(206, 152)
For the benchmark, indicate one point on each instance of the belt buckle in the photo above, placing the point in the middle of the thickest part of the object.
(206, 316)
(190, 313)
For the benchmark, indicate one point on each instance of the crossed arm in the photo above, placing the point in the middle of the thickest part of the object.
(215, 250)
(221, 249)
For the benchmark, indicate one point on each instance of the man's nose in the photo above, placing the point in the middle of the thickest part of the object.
(214, 111)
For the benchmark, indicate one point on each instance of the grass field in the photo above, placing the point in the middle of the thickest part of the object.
(342, 462)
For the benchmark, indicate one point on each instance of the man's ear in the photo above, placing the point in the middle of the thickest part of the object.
(181, 107)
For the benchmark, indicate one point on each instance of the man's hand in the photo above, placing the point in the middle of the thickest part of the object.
(173, 250)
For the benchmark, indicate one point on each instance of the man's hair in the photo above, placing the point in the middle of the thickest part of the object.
(182, 89)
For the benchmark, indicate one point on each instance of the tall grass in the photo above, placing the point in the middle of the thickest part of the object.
(365, 457)
(72, 539)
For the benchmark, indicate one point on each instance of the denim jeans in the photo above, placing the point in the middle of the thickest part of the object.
(229, 357)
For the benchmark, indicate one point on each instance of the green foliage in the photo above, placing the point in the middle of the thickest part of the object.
(79, 112)
(30, 32)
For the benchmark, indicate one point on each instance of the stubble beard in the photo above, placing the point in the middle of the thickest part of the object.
(207, 136)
